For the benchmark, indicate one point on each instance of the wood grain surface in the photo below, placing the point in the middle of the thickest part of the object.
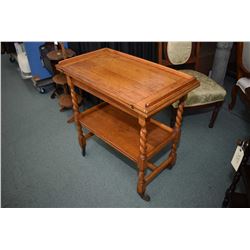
(122, 131)
(144, 86)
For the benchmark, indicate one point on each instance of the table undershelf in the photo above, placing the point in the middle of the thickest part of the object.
(122, 131)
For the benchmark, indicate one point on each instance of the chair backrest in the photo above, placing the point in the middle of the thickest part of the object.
(243, 59)
(178, 53)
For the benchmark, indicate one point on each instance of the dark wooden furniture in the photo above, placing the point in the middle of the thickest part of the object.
(235, 199)
(133, 90)
(60, 79)
(241, 71)
(192, 62)
(247, 95)
(58, 55)
(54, 57)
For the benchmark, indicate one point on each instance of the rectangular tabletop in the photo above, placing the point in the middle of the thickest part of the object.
(143, 86)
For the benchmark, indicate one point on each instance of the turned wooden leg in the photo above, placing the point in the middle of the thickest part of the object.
(233, 97)
(81, 137)
(177, 127)
(214, 114)
(231, 189)
(141, 185)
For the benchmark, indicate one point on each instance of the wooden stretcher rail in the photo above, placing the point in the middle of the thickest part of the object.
(157, 170)
(151, 166)
(88, 135)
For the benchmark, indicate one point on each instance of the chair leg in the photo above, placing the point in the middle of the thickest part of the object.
(233, 97)
(214, 115)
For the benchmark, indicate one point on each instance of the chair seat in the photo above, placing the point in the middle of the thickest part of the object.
(208, 92)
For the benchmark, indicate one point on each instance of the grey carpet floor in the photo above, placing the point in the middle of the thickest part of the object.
(42, 165)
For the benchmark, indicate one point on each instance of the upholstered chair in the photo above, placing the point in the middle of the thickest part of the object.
(243, 75)
(209, 93)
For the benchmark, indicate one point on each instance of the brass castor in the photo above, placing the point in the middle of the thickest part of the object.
(171, 165)
(145, 197)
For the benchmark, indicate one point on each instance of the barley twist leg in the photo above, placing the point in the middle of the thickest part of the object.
(177, 127)
(81, 137)
(141, 186)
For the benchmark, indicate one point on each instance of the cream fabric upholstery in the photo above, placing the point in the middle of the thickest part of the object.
(179, 52)
(208, 92)
(246, 56)
(243, 83)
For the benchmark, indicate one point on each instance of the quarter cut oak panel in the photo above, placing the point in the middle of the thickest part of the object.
(142, 85)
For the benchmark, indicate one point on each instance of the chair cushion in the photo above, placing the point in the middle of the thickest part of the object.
(208, 92)
(243, 83)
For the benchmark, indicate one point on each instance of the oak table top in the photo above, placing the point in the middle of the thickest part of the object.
(142, 86)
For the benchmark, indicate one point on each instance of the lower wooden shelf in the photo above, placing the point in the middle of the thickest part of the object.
(122, 131)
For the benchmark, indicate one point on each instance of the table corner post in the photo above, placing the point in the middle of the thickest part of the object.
(177, 128)
(81, 137)
(141, 185)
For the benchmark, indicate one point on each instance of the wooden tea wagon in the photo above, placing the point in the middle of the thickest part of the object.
(133, 89)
